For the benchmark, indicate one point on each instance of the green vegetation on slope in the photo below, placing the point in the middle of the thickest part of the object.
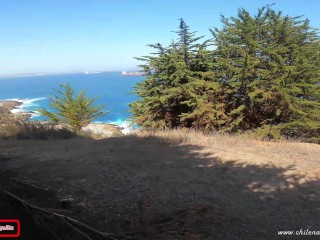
(261, 77)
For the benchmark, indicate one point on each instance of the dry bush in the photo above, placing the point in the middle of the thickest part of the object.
(10, 125)
(14, 127)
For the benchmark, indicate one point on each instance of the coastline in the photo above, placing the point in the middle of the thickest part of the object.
(7, 106)
(100, 130)
(110, 88)
(11, 107)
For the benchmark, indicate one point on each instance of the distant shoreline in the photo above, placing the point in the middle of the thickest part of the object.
(26, 75)
(54, 74)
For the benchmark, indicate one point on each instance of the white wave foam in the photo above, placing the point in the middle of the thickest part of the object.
(16, 110)
(26, 104)
(125, 125)
(12, 99)
(35, 114)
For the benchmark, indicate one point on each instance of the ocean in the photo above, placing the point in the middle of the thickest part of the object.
(111, 89)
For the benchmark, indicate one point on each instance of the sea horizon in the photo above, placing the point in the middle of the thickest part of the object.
(34, 74)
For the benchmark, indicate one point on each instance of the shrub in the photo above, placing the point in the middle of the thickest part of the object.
(74, 111)
(267, 132)
(13, 127)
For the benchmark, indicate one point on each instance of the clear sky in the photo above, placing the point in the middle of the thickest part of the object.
(53, 36)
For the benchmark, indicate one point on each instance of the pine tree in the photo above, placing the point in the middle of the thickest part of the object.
(270, 65)
(75, 111)
(177, 83)
(263, 75)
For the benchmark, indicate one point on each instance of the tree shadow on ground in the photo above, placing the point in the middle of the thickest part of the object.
(150, 188)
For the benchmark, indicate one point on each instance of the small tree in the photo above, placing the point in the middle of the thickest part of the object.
(76, 111)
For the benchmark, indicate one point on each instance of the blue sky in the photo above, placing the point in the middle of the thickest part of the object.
(55, 36)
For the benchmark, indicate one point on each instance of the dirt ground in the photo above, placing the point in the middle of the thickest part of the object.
(151, 188)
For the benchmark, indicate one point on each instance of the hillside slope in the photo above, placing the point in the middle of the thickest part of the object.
(168, 185)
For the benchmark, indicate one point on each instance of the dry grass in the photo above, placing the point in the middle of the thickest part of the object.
(145, 182)
(14, 127)
(301, 158)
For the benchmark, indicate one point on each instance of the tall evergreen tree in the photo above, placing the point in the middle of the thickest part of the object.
(270, 65)
(263, 74)
(175, 84)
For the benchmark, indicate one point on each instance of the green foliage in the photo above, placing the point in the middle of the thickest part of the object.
(176, 92)
(75, 111)
(263, 76)
(266, 132)
(270, 64)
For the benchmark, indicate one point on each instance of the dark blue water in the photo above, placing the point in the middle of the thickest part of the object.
(111, 88)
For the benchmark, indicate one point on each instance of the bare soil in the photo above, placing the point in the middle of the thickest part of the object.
(152, 188)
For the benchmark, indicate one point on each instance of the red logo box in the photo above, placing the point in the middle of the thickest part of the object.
(4, 222)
